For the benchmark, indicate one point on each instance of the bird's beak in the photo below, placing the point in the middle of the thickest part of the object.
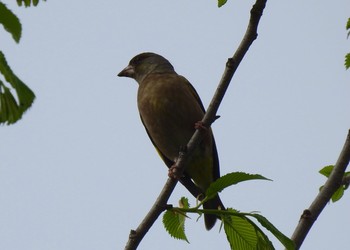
(129, 71)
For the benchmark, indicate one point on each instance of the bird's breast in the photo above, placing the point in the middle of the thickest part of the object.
(169, 113)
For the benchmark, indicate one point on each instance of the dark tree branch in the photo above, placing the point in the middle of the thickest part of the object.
(334, 181)
(159, 206)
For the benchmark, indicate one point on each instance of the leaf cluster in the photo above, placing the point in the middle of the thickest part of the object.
(241, 231)
(12, 107)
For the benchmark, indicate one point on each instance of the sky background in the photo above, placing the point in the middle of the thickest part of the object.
(78, 171)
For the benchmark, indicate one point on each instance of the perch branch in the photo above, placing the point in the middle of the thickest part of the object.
(334, 181)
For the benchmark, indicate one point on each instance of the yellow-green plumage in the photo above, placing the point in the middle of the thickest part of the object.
(169, 108)
(169, 112)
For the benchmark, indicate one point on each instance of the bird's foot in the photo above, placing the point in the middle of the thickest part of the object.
(174, 170)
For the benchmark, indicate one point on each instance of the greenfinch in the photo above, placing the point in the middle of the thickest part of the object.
(170, 107)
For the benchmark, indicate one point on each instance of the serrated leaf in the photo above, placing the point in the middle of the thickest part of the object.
(221, 3)
(240, 233)
(347, 61)
(338, 194)
(10, 22)
(11, 109)
(288, 243)
(229, 180)
(263, 241)
(174, 224)
(348, 24)
(327, 170)
(243, 234)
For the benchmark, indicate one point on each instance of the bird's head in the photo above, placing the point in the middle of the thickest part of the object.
(143, 64)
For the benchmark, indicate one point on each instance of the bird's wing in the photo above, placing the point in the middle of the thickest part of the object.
(194, 93)
(185, 180)
(216, 168)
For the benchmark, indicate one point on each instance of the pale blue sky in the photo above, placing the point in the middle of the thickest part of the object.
(78, 171)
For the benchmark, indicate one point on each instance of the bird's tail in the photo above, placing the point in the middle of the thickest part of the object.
(210, 219)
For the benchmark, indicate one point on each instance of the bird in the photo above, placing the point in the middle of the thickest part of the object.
(170, 108)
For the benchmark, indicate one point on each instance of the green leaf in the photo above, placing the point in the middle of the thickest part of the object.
(229, 180)
(288, 243)
(338, 194)
(11, 110)
(348, 27)
(347, 61)
(240, 233)
(174, 222)
(10, 22)
(221, 2)
(263, 241)
(243, 234)
(327, 170)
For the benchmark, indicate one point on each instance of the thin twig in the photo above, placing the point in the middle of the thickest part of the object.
(334, 181)
(136, 236)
